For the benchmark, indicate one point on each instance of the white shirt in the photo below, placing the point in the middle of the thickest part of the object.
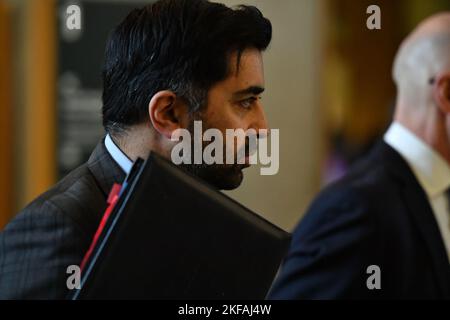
(119, 157)
(430, 169)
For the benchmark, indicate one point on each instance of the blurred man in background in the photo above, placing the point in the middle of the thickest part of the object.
(166, 65)
(383, 231)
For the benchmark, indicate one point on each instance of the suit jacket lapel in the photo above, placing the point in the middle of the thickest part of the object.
(422, 214)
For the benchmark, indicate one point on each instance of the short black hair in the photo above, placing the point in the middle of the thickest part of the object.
(178, 45)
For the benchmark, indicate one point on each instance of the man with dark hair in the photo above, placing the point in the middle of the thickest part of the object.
(166, 65)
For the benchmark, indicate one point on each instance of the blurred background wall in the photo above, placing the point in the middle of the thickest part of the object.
(328, 90)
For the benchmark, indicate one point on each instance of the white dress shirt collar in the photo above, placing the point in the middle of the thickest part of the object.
(119, 157)
(432, 171)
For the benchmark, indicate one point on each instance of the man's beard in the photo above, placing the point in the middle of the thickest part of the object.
(221, 176)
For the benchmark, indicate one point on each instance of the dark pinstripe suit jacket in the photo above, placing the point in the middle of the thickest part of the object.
(55, 231)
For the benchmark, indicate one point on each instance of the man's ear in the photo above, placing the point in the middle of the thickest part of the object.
(167, 112)
(441, 92)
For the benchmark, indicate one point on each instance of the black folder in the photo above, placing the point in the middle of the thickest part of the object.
(172, 236)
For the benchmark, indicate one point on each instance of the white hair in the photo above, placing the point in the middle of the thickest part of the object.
(420, 60)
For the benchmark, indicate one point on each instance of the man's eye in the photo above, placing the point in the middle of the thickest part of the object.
(247, 103)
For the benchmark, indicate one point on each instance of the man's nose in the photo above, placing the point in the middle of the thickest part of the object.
(260, 122)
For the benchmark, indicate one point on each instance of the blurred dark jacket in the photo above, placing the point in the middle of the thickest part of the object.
(378, 214)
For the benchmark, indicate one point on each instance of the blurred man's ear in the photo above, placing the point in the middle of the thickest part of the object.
(167, 113)
(441, 92)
